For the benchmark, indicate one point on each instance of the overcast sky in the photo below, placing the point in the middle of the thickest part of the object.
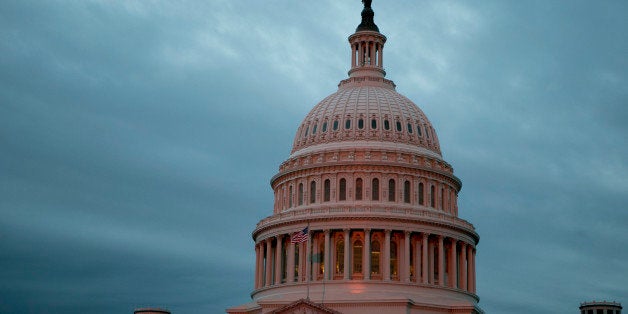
(138, 138)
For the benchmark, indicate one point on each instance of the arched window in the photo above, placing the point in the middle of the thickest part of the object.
(357, 257)
(394, 263)
(418, 130)
(442, 198)
(324, 126)
(398, 126)
(314, 129)
(361, 124)
(406, 191)
(335, 125)
(432, 197)
(300, 194)
(391, 190)
(340, 257)
(375, 257)
(386, 126)
(312, 192)
(358, 189)
(373, 124)
(409, 128)
(375, 190)
(421, 197)
(321, 254)
(290, 197)
(427, 132)
(327, 191)
(348, 124)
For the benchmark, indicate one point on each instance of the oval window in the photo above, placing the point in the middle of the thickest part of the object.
(314, 129)
(348, 124)
(386, 125)
(335, 125)
(409, 128)
(418, 130)
(398, 126)
(325, 127)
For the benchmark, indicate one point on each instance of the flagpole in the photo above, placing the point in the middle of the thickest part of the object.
(308, 276)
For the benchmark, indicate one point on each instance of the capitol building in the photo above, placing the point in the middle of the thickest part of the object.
(365, 218)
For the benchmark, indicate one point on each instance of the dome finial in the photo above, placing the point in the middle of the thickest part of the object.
(367, 23)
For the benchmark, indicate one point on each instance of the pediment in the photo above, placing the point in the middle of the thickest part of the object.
(304, 306)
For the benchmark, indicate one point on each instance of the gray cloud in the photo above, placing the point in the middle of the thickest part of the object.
(138, 140)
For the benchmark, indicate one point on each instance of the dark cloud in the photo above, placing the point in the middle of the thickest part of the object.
(138, 140)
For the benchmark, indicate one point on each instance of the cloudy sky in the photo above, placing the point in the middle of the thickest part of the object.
(137, 140)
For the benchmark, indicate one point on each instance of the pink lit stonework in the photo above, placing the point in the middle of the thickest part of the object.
(367, 176)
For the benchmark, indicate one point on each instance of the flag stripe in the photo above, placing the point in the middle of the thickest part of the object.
(300, 237)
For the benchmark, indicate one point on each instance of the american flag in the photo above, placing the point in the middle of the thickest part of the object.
(299, 237)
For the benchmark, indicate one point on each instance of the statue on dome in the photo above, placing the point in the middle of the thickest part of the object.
(367, 3)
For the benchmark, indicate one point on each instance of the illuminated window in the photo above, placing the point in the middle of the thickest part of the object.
(358, 189)
(357, 257)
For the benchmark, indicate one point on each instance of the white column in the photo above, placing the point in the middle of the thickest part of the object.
(381, 56)
(290, 263)
(328, 270)
(269, 262)
(463, 267)
(441, 261)
(366, 256)
(278, 260)
(452, 263)
(353, 50)
(308, 257)
(302, 260)
(257, 273)
(417, 260)
(469, 268)
(386, 265)
(424, 262)
(347, 270)
(406, 257)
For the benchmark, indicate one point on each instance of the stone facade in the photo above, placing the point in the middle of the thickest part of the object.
(366, 180)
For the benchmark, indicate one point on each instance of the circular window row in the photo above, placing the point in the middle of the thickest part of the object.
(374, 124)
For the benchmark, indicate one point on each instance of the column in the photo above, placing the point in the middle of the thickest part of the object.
(386, 262)
(327, 269)
(424, 245)
(417, 260)
(372, 49)
(347, 240)
(308, 256)
(452, 263)
(360, 54)
(302, 259)
(353, 50)
(366, 256)
(469, 268)
(430, 256)
(441, 261)
(406, 258)
(278, 260)
(463, 267)
(290, 263)
(269, 258)
(257, 274)
(381, 56)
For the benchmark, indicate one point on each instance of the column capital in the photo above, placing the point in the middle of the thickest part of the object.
(388, 231)
(326, 231)
(279, 236)
(368, 230)
(407, 233)
(346, 230)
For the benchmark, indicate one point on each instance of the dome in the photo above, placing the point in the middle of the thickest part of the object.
(372, 115)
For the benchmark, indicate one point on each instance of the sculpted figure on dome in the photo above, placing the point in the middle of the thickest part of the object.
(367, 3)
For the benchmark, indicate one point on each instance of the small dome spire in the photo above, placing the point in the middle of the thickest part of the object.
(367, 23)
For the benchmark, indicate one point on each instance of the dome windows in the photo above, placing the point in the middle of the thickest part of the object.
(348, 124)
(324, 126)
(360, 123)
(373, 124)
(409, 128)
(386, 125)
(398, 124)
(335, 127)
(418, 129)
(314, 129)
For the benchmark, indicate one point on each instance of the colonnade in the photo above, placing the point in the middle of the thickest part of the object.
(366, 254)
(369, 53)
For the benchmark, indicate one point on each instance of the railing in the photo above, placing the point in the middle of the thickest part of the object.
(365, 211)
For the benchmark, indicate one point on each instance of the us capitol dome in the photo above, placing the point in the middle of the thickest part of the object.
(365, 217)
